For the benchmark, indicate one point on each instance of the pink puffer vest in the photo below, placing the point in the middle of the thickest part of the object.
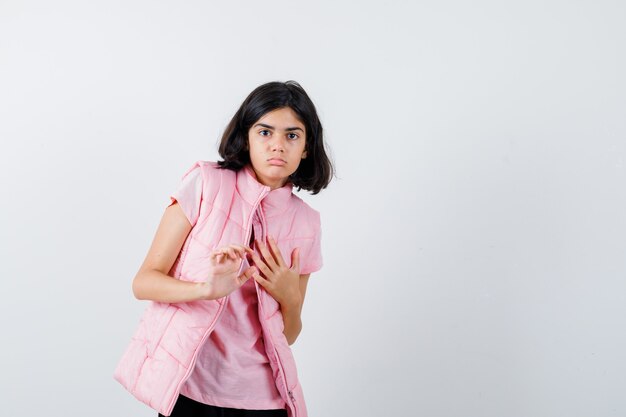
(163, 350)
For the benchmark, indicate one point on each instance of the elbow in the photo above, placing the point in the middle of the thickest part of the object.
(136, 291)
(137, 288)
(291, 339)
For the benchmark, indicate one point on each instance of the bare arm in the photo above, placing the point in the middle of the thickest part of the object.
(152, 281)
(292, 313)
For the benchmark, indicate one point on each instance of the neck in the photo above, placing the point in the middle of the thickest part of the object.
(269, 183)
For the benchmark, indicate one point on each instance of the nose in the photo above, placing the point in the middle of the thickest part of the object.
(277, 145)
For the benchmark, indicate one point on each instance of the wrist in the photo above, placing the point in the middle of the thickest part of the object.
(294, 304)
(204, 291)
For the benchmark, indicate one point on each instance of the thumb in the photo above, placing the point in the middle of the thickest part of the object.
(295, 259)
(247, 274)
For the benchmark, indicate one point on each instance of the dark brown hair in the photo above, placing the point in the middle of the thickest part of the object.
(315, 171)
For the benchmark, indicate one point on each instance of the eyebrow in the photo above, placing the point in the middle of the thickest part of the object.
(289, 129)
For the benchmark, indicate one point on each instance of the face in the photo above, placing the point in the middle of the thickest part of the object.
(276, 142)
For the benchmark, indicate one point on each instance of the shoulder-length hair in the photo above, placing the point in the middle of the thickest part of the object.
(315, 171)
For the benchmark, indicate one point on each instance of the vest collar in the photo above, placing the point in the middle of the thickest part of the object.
(273, 201)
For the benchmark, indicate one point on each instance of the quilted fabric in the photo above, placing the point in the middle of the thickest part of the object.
(163, 350)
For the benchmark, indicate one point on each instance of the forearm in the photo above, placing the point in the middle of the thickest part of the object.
(157, 286)
(292, 320)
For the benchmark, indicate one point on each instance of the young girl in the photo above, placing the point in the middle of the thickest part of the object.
(228, 268)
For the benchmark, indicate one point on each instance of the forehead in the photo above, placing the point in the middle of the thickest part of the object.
(282, 118)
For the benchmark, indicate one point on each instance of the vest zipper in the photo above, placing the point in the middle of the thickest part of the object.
(217, 316)
(282, 371)
(255, 207)
(280, 365)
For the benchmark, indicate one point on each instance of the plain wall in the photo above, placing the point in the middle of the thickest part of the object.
(473, 239)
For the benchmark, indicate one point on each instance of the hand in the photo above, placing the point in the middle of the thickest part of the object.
(279, 280)
(223, 278)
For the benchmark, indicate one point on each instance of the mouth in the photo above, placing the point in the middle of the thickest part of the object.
(277, 161)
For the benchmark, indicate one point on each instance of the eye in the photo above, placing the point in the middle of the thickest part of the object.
(264, 132)
(292, 136)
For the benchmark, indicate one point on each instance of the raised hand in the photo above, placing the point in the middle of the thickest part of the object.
(279, 280)
(225, 263)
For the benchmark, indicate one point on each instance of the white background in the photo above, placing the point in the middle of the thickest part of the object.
(473, 241)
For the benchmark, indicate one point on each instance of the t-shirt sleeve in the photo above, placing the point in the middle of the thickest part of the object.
(313, 261)
(189, 193)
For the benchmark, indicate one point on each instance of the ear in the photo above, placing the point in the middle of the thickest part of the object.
(303, 154)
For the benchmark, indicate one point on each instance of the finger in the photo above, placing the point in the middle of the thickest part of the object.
(248, 253)
(258, 262)
(276, 252)
(246, 275)
(219, 252)
(267, 256)
(219, 258)
(214, 254)
(239, 250)
(262, 281)
(295, 259)
(224, 255)
(230, 250)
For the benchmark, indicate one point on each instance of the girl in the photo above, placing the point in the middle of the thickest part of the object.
(228, 268)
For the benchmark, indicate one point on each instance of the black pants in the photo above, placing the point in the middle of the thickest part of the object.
(186, 407)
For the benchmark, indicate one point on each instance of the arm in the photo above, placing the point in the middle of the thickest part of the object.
(291, 313)
(152, 281)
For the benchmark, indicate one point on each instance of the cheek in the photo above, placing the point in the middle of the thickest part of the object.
(253, 147)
